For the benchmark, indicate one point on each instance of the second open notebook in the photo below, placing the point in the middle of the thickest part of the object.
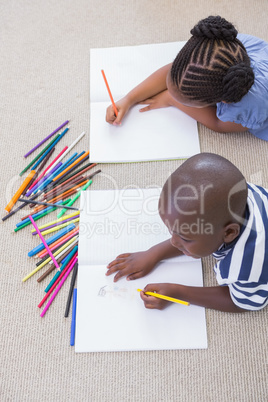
(111, 316)
(165, 133)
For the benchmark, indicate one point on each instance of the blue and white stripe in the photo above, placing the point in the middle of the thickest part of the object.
(243, 265)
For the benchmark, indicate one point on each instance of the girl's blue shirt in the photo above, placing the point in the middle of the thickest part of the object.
(252, 110)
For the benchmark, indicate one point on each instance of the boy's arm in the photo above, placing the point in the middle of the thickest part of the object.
(216, 297)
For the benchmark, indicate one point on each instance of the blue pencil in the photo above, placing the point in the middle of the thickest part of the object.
(53, 238)
(73, 317)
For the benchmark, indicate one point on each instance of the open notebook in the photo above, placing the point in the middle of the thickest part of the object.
(111, 316)
(159, 134)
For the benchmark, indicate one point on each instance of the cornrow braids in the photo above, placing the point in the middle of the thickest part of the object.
(213, 65)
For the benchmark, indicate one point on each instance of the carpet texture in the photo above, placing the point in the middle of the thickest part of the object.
(44, 80)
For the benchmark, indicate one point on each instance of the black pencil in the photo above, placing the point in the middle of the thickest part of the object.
(46, 204)
(71, 290)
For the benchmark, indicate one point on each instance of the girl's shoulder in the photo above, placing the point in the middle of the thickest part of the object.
(256, 48)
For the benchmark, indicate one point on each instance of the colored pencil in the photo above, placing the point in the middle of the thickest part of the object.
(46, 225)
(109, 92)
(26, 221)
(18, 208)
(44, 242)
(56, 140)
(70, 147)
(171, 299)
(38, 170)
(56, 224)
(41, 265)
(73, 318)
(45, 139)
(63, 187)
(60, 241)
(56, 236)
(73, 174)
(52, 266)
(17, 195)
(67, 309)
(47, 259)
(57, 281)
(75, 198)
(46, 204)
(57, 289)
(67, 249)
(67, 174)
(35, 188)
(63, 225)
(39, 155)
(44, 172)
(45, 262)
(55, 277)
(72, 165)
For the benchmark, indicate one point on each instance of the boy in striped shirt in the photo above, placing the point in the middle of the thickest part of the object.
(209, 208)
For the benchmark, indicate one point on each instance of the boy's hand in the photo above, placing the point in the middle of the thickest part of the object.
(122, 107)
(132, 265)
(166, 289)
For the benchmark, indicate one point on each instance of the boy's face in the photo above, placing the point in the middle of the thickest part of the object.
(192, 235)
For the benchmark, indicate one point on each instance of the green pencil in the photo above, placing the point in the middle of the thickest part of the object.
(39, 216)
(38, 156)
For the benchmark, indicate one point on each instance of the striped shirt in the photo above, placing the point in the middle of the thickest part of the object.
(243, 264)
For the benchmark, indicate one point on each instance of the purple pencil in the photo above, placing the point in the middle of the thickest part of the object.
(45, 139)
(57, 224)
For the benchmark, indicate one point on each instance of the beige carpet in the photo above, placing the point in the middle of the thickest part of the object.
(44, 79)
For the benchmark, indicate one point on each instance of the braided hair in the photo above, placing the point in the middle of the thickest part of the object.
(213, 65)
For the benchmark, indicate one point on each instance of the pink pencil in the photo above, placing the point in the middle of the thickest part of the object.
(57, 281)
(44, 242)
(44, 172)
(43, 253)
(57, 289)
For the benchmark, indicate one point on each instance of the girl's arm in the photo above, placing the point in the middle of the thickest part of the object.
(205, 115)
(148, 88)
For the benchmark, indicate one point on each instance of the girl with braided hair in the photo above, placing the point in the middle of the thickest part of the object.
(220, 78)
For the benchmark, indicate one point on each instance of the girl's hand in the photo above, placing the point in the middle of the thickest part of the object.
(131, 265)
(122, 106)
(166, 289)
(162, 99)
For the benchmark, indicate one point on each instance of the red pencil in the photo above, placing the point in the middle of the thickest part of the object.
(109, 92)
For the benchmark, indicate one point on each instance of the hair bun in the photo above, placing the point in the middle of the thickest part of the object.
(237, 82)
(214, 28)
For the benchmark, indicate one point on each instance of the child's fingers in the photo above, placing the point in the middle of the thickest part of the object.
(119, 258)
(146, 108)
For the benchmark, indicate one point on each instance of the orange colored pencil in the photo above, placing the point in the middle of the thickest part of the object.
(54, 245)
(110, 93)
(72, 165)
(17, 195)
(69, 180)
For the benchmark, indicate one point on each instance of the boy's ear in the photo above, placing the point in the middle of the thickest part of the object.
(231, 232)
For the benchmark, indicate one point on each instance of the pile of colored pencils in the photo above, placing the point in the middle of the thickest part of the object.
(50, 188)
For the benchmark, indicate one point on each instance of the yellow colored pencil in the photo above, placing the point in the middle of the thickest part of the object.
(57, 220)
(171, 299)
(47, 260)
(60, 226)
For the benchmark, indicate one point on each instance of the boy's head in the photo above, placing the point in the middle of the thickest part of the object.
(203, 204)
(212, 67)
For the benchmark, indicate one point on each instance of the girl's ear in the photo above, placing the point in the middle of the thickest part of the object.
(231, 232)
